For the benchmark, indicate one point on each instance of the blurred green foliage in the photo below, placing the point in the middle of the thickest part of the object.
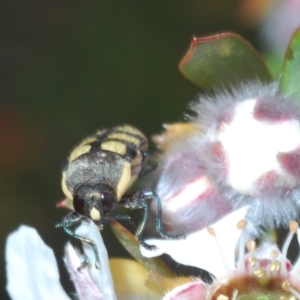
(222, 61)
(291, 67)
(71, 67)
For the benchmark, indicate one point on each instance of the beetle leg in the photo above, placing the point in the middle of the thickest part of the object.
(121, 217)
(138, 201)
(73, 219)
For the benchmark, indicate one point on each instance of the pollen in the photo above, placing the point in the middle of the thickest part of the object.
(251, 246)
(274, 254)
(259, 272)
(275, 266)
(294, 226)
(241, 224)
(253, 262)
(211, 231)
(286, 285)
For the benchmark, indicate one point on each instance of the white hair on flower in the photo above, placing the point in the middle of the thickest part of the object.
(246, 151)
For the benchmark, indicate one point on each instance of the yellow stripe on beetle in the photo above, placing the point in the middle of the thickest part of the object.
(124, 137)
(113, 146)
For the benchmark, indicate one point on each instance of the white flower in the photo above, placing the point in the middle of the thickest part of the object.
(90, 282)
(31, 268)
(32, 271)
(262, 272)
(202, 249)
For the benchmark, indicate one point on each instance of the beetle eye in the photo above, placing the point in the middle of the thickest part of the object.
(109, 201)
(78, 203)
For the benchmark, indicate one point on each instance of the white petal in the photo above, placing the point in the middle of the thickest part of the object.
(31, 267)
(200, 249)
(85, 286)
(101, 278)
(191, 290)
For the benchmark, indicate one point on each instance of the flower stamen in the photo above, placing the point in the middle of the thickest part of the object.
(293, 229)
(286, 285)
(259, 273)
(235, 294)
(275, 266)
(253, 262)
(251, 245)
(241, 263)
(212, 232)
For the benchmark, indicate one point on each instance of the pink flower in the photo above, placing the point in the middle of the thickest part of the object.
(245, 150)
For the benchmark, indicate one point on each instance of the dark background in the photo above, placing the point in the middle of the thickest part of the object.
(70, 67)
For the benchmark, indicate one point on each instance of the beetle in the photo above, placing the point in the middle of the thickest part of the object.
(96, 176)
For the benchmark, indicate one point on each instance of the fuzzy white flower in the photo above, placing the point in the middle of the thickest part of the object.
(243, 149)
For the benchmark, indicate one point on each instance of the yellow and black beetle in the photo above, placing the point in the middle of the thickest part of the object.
(97, 174)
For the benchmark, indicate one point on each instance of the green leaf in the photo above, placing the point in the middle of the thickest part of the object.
(222, 60)
(291, 67)
(130, 243)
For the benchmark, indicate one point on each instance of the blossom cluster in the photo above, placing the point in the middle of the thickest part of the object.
(227, 175)
(243, 149)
